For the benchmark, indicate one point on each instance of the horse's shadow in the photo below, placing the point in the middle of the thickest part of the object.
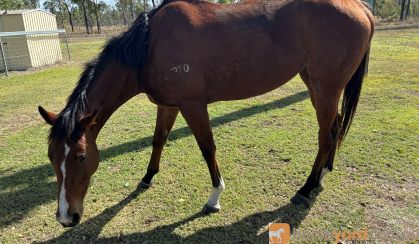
(35, 189)
(38, 190)
(251, 229)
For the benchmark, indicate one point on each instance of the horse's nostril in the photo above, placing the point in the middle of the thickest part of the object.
(76, 219)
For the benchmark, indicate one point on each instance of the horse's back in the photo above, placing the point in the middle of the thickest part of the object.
(234, 51)
(201, 13)
(225, 47)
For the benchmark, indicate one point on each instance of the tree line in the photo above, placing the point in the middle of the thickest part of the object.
(96, 13)
(395, 9)
(89, 13)
(86, 13)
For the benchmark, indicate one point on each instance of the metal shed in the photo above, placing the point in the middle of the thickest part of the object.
(29, 50)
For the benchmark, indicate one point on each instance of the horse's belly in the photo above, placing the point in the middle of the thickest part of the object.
(250, 84)
(245, 90)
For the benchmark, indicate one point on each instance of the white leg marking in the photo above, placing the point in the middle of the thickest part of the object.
(214, 200)
(63, 204)
(324, 172)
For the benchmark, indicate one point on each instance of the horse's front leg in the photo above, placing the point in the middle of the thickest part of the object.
(196, 115)
(165, 119)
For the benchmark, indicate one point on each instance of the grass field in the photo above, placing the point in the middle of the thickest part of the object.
(266, 147)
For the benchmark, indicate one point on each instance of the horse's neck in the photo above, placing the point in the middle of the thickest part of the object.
(113, 87)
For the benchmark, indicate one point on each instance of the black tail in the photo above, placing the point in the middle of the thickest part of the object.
(351, 98)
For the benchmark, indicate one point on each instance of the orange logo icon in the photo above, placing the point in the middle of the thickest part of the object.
(279, 233)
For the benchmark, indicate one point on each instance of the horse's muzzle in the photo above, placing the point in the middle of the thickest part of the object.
(75, 221)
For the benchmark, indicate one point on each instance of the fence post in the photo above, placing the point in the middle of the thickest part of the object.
(66, 44)
(4, 57)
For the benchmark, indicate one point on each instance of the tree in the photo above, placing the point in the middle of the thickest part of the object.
(96, 10)
(82, 5)
(122, 6)
(18, 4)
(415, 9)
(69, 6)
(54, 7)
(50, 6)
(33, 3)
(373, 6)
(131, 8)
(407, 9)
(402, 9)
(225, 1)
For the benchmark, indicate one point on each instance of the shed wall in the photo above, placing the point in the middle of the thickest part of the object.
(43, 49)
(15, 48)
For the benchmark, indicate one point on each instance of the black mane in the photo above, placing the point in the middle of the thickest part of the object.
(129, 48)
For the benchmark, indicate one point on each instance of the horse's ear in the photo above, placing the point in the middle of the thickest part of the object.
(49, 117)
(88, 120)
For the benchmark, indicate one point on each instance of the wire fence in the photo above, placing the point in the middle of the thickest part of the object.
(21, 50)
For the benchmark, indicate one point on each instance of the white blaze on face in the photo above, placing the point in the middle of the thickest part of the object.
(63, 203)
(214, 200)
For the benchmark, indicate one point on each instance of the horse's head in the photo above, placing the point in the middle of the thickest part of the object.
(75, 158)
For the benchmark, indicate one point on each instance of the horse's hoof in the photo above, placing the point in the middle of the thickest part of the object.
(209, 210)
(299, 199)
(144, 185)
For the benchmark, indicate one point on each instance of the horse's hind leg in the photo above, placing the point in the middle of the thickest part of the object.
(196, 115)
(326, 105)
(331, 157)
(165, 119)
(305, 76)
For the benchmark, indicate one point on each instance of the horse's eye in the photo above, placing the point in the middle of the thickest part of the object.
(82, 157)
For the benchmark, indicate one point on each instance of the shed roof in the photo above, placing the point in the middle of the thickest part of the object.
(22, 11)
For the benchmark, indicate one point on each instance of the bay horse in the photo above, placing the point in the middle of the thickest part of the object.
(187, 54)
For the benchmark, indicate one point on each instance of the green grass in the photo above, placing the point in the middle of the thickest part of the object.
(266, 147)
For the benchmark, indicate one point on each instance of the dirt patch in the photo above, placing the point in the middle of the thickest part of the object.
(17, 123)
(395, 229)
(390, 217)
(114, 168)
